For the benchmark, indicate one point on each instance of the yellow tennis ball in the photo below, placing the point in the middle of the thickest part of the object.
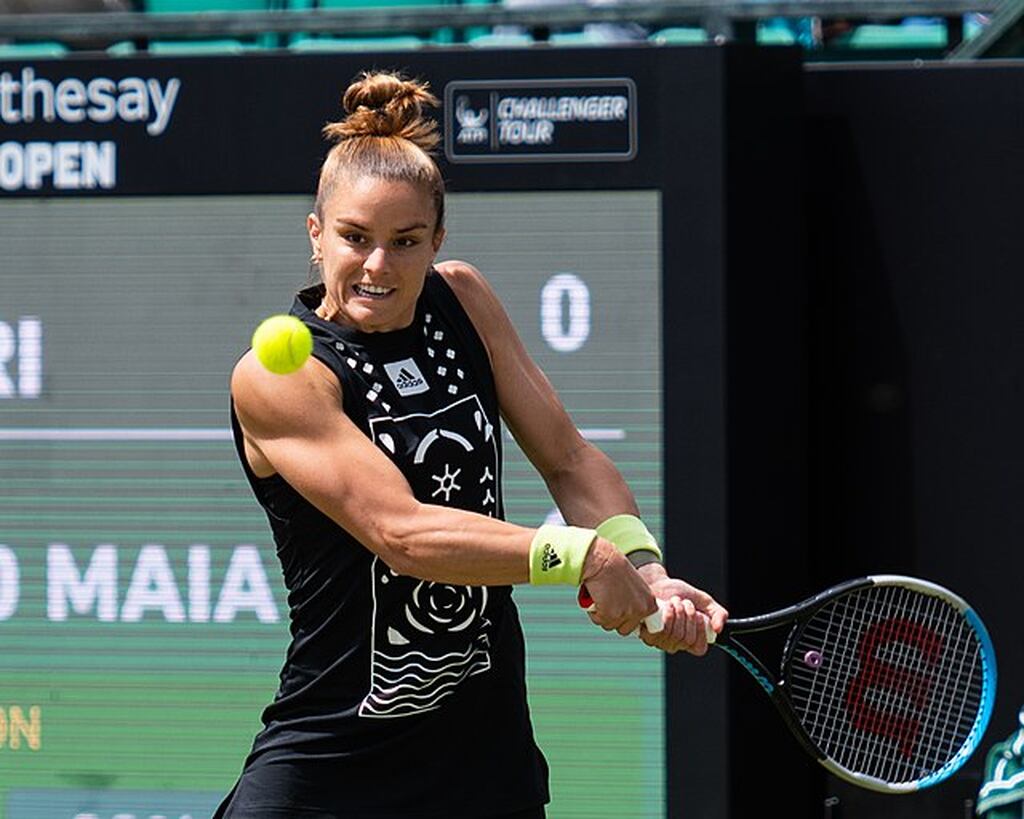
(282, 344)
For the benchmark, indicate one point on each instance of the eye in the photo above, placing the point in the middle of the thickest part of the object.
(353, 238)
(407, 241)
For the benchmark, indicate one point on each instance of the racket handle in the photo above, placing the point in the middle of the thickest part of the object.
(654, 622)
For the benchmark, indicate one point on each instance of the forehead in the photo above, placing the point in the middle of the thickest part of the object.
(378, 202)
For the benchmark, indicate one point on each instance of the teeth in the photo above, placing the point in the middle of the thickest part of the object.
(373, 289)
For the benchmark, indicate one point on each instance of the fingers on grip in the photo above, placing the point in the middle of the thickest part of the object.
(654, 622)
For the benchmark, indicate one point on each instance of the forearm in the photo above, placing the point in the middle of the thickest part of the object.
(588, 488)
(589, 491)
(453, 546)
(448, 545)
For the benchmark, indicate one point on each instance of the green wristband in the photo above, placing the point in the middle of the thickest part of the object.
(557, 554)
(628, 534)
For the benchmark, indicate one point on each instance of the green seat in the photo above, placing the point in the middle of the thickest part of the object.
(376, 4)
(182, 47)
(903, 36)
(774, 35)
(573, 38)
(397, 43)
(471, 33)
(219, 45)
(191, 6)
(375, 41)
(489, 39)
(31, 51)
(972, 28)
(186, 47)
(679, 36)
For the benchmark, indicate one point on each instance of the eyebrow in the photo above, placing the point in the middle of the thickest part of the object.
(357, 226)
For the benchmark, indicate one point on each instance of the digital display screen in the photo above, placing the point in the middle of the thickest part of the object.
(142, 615)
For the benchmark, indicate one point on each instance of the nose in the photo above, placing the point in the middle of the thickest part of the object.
(376, 261)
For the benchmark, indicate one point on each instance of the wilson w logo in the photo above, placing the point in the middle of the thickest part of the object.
(903, 682)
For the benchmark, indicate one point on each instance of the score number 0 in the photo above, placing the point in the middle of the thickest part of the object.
(565, 312)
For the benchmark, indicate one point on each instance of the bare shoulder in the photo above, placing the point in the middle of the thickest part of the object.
(465, 279)
(475, 294)
(270, 405)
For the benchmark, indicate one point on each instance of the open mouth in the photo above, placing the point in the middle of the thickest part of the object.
(372, 291)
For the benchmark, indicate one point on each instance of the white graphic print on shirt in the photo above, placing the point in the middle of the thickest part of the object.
(429, 637)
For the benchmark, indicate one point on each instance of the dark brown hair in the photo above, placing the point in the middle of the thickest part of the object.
(385, 135)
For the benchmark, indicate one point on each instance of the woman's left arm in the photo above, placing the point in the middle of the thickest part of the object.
(583, 481)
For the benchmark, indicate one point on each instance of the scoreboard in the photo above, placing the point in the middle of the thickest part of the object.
(142, 616)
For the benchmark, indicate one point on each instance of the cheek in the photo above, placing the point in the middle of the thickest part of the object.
(337, 254)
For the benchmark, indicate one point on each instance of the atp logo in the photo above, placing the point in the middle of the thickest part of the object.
(472, 124)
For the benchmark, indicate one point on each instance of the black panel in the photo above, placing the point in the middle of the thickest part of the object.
(917, 349)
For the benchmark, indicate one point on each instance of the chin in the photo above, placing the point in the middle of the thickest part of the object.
(379, 318)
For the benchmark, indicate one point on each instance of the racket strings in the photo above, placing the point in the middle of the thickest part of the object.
(895, 687)
(885, 703)
(865, 750)
(902, 708)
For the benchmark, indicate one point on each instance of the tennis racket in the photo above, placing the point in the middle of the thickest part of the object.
(887, 681)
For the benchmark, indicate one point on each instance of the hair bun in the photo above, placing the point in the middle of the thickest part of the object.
(386, 104)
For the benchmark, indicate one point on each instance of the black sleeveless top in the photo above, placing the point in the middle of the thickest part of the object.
(398, 697)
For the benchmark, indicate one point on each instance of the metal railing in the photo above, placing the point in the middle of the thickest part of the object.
(413, 19)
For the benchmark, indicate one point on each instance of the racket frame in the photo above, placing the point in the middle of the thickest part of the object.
(797, 615)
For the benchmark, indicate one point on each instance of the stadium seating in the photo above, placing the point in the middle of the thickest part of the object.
(864, 40)
(31, 51)
(488, 39)
(398, 43)
(679, 36)
(379, 41)
(911, 35)
(190, 6)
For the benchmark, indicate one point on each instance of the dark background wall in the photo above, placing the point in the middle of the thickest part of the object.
(916, 351)
(895, 443)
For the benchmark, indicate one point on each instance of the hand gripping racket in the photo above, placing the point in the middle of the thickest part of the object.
(887, 681)
(653, 622)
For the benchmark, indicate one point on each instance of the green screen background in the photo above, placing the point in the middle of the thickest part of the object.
(144, 305)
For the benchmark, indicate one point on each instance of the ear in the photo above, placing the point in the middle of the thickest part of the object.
(438, 238)
(315, 230)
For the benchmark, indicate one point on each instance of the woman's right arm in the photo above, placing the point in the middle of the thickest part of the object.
(295, 425)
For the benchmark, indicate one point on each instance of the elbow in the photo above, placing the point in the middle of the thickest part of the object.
(401, 544)
(568, 461)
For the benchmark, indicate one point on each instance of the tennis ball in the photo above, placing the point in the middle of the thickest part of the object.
(282, 344)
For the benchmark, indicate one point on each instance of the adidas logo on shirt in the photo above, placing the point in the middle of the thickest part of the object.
(406, 377)
(549, 559)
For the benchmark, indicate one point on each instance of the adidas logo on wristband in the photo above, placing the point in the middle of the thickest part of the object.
(550, 558)
(557, 554)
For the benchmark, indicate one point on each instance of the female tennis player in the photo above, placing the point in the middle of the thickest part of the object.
(379, 464)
